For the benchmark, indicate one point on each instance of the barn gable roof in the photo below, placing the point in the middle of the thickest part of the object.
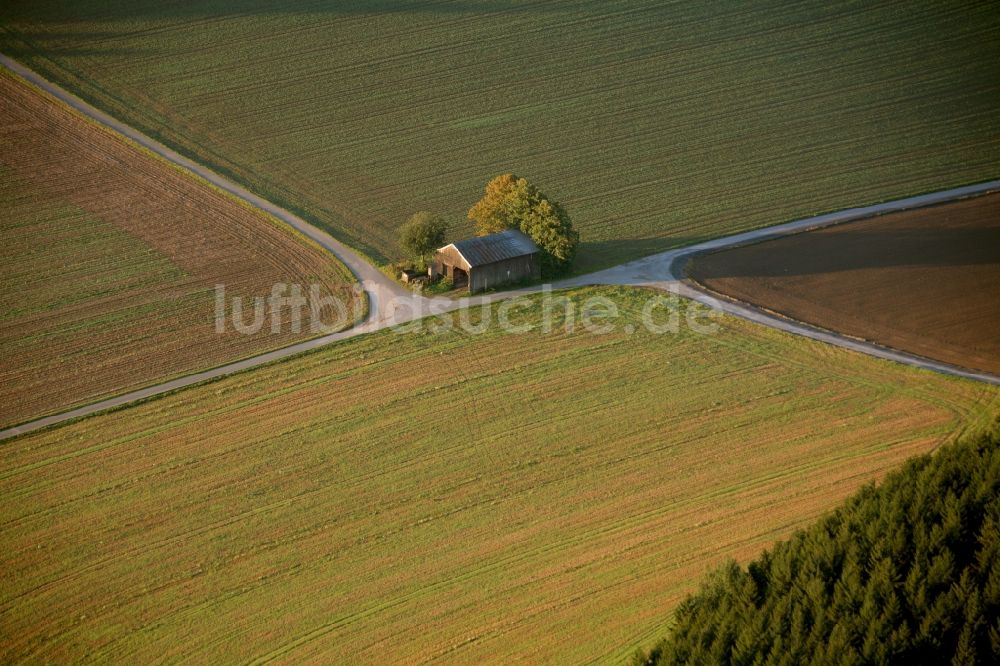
(495, 247)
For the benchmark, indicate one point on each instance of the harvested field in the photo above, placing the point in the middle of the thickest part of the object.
(468, 498)
(656, 124)
(924, 281)
(110, 259)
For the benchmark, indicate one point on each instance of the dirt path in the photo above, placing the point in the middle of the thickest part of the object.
(392, 304)
(664, 271)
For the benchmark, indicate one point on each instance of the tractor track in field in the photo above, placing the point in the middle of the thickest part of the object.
(391, 304)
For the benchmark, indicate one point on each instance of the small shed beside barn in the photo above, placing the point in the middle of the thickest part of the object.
(488, 261)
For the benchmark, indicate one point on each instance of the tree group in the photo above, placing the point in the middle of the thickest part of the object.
(513, 203)
(907, 573)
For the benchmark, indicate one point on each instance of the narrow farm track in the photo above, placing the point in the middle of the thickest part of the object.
(390, 304)
(361, 268)
(118, 295)
(665, 271)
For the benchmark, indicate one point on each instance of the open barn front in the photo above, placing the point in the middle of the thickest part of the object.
(487, 262)
(459, 277)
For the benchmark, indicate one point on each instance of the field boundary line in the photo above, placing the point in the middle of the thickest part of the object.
(665, 271)
(659, 271)
(360, 268)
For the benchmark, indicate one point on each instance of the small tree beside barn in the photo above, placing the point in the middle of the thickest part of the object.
(490, 261)
(421, 235)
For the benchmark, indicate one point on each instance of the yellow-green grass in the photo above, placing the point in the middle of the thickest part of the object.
(110, 259)
(656, 124)
(405, 497)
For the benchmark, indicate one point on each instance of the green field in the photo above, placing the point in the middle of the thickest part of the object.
(656, 124)
(419, 496)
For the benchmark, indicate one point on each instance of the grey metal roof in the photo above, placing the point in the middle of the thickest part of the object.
(495, 247)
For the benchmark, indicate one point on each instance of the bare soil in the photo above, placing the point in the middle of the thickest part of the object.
(925, 281)
(110, 258)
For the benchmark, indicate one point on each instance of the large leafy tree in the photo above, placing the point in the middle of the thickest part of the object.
(513, 203)
(421, 235)
(500, 206)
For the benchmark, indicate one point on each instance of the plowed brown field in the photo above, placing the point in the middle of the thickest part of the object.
(923, 281)
(110, 259)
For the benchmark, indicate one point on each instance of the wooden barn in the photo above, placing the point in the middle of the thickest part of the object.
(488, 261)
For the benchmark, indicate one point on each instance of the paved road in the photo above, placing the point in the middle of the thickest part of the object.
(662, 271)
(392, 304)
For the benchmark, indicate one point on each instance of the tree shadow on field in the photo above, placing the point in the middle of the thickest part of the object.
(855, 246)
(597, 255)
